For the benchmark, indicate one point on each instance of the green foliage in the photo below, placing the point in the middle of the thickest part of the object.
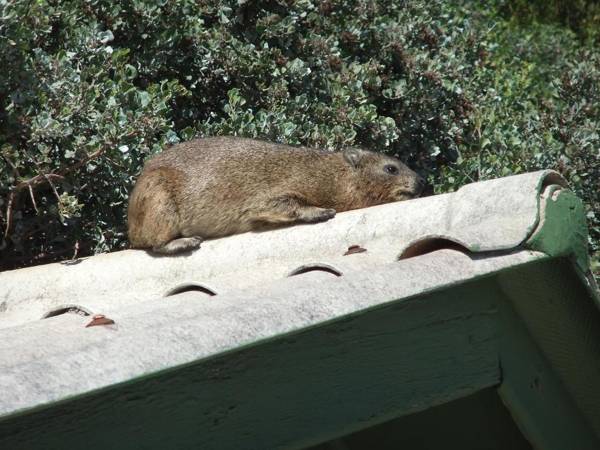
(582, 16)
(91, 88)
(538, 106)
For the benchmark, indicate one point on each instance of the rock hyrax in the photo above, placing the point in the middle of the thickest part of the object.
(219, 186)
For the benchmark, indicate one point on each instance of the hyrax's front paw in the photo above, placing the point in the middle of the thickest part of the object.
(328, 214)
(320, 215)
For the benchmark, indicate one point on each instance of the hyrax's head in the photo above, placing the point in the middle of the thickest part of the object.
(387, 179)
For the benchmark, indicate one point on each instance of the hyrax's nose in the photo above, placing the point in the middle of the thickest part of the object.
(420, 184)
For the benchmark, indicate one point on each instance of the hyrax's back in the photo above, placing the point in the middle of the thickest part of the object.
(219, 186)
(235, 161)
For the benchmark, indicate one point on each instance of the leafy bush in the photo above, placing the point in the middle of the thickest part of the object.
(91, 88)
(538, 106)
(581, 16)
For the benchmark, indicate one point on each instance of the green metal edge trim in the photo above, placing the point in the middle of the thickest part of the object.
(562, 228)
(567, 234)
(547, 178)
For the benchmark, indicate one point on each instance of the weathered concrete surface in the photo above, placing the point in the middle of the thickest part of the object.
(160, 333)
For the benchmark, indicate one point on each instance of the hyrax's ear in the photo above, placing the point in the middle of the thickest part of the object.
(354, 156)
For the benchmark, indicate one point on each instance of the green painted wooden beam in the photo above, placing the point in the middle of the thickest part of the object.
(476, 422)
(550, 355)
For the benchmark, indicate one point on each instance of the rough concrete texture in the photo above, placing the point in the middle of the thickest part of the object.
(486, 216)
(162, 333)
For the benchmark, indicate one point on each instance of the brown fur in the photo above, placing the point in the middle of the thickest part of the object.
(219, 186)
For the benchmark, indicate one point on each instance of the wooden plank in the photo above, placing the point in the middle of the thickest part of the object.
(476, 422)
(292, 391)
(550, 356)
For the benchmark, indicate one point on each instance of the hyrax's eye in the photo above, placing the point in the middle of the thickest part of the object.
(391, 169)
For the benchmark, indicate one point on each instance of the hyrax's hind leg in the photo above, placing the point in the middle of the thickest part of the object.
(180, 245)
(291, 209)
(153, 215)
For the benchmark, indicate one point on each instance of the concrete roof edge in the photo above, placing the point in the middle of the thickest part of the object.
(159, 334)
(492, 215)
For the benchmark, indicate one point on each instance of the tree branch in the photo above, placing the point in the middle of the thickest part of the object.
(33, 199)
(41, 179)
